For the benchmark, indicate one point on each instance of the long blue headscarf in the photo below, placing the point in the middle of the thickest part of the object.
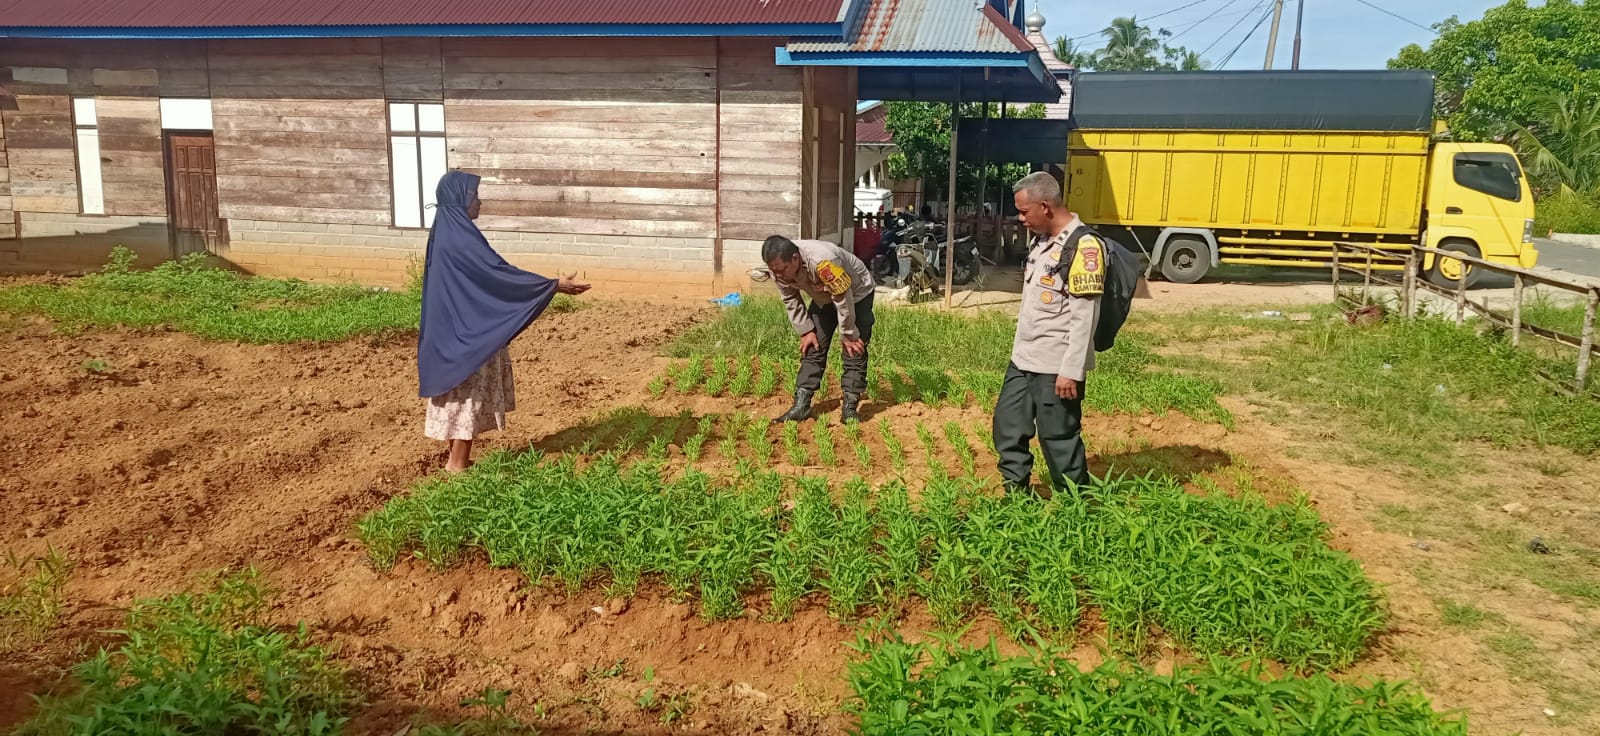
(473, 302)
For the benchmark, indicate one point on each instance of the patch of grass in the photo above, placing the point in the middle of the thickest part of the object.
(1571, 214)
(1219, 574)
(192, 295)
(941, 358)
(30, 596)
(1425, 384)
(944, 687)
(1465, 615)
(205, 662)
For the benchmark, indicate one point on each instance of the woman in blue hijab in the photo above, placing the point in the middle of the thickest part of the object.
(473, 305)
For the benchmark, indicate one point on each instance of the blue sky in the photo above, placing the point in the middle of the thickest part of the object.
(1339, 34)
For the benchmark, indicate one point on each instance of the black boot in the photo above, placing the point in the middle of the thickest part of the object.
(847, 409)
(801, 410)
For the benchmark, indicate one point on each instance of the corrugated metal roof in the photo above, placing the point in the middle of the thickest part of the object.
(272, 13)
(872, 126)
(898, 26)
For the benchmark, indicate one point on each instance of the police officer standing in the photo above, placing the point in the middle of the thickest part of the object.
(841, 289)
(1054, 346)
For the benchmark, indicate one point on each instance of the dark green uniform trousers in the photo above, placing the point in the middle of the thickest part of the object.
(1029, 405)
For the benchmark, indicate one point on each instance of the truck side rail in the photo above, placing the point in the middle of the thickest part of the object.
(1366, 261)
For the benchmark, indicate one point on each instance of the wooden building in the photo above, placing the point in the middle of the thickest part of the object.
(650, 145)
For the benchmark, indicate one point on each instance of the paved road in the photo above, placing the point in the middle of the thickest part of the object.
(1570, 258)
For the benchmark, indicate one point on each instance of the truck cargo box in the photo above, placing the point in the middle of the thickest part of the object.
(1375, 101)
(1318, 154)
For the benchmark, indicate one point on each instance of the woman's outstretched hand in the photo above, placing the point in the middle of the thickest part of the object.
(569, 285)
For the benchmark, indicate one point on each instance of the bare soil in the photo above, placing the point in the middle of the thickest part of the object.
(186, 456)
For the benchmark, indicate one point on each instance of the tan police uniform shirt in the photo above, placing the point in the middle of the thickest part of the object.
(829, 274)
(1055, 326)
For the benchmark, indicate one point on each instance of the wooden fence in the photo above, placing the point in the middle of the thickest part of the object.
(1367, 261)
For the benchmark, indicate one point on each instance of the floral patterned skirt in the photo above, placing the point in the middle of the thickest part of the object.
(478, 405)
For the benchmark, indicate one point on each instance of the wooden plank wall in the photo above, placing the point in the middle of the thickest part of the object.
(300, 130)
(762, 124)
(831, 98)
(587, 136)
(126, 77)
(132, 164)
(44, 174)
(8, 216)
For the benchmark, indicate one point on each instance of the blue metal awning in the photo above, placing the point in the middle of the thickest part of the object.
(929, 50)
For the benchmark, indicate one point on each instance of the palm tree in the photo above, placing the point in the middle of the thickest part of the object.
(1562, 147)
(1129, 47)
(1192, 61)
(1068, 51)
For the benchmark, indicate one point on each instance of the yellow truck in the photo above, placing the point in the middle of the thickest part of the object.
(1270, 169)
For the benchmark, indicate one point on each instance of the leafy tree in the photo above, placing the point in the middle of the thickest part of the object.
(921, 131)
(1131, 47)
(1561, 146)
(1496, 74)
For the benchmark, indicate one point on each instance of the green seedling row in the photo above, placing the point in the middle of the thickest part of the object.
(1216, 574)
(947, 688)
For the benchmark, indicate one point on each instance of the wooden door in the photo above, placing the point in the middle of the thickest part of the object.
(192, 194)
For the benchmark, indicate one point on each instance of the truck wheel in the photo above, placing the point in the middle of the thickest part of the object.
(1185, 260)
(1446, 272)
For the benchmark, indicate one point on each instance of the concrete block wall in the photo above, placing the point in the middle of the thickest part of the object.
(75, 244)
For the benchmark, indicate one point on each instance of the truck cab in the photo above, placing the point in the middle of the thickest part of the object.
(1478, 204)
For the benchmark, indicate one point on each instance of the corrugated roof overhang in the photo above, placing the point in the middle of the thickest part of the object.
(925, 50)
(375, 18)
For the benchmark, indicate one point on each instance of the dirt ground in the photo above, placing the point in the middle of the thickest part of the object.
(188, 456)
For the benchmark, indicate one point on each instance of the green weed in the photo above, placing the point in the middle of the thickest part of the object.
(939, 358)
(695, 445)
(1217, 573)
(191, 295)
(30, 598)
(791, 445)
(205, 662)
(822, 436)
(947, 688)
(852, 432)
(897, 451)
(717, 382)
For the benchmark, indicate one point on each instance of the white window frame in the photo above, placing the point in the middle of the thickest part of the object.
(418, 158)
(186, 113)
(86, 142)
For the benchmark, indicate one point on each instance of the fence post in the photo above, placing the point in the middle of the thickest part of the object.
(1586, 341)
(1516, 309)
(1408, 286)
(1336, 248)
(1461, 296)
(1366, 280)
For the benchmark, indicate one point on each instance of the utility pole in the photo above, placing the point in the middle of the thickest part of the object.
(1299, 20)
(1272, 38)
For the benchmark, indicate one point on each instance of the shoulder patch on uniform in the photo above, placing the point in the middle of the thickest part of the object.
(833, 278)
(1087, 275)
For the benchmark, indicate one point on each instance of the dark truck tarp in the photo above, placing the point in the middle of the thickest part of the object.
(1396, 100)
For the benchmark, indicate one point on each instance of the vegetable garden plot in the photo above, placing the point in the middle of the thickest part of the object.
(946, 688)
(921, 356)
(1219, 575)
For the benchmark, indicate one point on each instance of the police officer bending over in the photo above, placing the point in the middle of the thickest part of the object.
(1054, 346)
(841, 289)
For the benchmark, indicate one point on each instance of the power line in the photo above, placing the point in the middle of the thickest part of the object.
(1214, 14)
(1253, 29)
(1148, 18)
(1393, 14)
(1231, 28)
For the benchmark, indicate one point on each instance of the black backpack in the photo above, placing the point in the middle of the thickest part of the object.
(1122, 279)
